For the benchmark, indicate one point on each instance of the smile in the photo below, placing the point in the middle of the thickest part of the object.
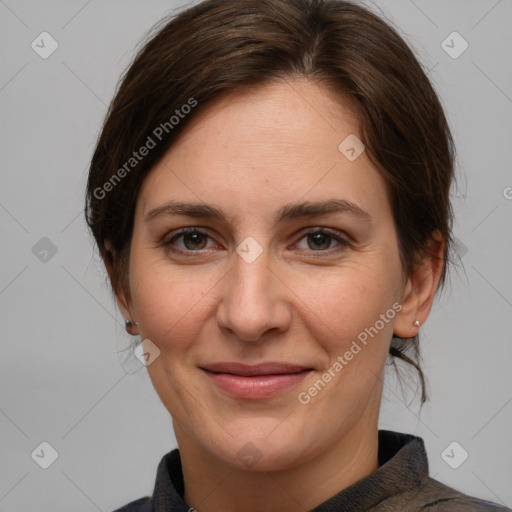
(255, 382)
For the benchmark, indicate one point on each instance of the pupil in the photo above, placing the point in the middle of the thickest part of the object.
(194, 238)
(320, 239)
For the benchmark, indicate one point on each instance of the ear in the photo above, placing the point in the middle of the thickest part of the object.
(420, 288)
(123, 298)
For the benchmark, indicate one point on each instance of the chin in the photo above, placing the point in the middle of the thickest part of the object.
(260, 451)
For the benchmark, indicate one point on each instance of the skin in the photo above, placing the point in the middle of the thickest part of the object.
(299, 301)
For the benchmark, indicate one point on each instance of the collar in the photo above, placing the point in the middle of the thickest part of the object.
(403, 465)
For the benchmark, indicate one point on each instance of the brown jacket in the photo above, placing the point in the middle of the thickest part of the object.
(400, 484)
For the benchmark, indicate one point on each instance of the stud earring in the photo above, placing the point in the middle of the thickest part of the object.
(129, 325)
(416, 323)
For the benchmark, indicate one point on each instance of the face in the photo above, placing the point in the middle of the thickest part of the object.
(274, 311)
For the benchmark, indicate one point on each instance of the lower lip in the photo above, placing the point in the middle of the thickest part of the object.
(256, 387)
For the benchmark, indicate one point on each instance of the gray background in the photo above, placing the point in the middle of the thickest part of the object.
(62, 379)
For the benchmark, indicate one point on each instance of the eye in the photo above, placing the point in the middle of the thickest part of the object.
(193, 239)
(321, 239)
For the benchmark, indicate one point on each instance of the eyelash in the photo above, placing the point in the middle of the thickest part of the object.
(325, 231)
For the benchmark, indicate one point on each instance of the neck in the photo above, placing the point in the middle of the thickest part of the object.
(212, 485)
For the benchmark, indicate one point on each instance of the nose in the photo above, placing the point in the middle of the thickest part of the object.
(255, 300)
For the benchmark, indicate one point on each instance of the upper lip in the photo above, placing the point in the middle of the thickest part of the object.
(246, 370)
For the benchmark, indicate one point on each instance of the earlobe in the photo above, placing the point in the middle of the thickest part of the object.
(123, 302)
(122, 298)
(420, 290)
(405, 321)
(131, 327)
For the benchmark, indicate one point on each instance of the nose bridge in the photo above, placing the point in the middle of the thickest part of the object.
(253, 302)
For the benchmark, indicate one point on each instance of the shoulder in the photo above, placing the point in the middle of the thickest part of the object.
(433, 496)
(140, 505)
(404, 471)
(168, 488)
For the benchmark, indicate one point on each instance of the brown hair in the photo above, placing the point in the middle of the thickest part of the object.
(218, 46)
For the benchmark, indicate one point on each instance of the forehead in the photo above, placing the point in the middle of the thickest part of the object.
(280, 113)
(259, 148)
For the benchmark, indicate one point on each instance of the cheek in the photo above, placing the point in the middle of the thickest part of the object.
(344, 303)
(351, 320)
(170, 303)
(172, 308)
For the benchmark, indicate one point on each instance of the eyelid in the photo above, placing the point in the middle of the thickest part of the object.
(343, 240)
(176, 234)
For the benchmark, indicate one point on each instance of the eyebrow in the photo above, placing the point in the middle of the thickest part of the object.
(289, 211)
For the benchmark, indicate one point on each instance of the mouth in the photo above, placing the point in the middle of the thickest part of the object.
(255, 382)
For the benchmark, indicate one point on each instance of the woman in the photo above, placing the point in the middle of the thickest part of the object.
(270, 196)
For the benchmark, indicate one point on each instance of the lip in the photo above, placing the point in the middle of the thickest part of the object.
(255, 382)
